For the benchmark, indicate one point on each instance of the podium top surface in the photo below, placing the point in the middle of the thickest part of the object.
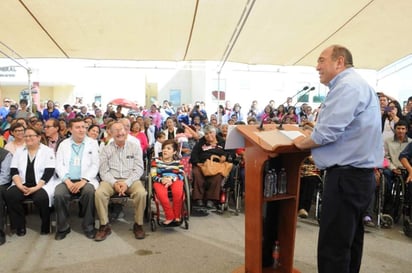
(271, 139)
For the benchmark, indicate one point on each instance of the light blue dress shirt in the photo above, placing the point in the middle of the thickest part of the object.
(349, 125)
(76, 156)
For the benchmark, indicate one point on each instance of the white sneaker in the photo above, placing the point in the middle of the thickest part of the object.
(302, 213)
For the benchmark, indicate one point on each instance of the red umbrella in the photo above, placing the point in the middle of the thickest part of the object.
(124, 103)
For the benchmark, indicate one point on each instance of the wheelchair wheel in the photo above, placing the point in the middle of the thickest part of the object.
(386, 221)
(318, 199)
(237, 192)
(148, 210)
(238, 198)
(407, 227)
(187, 197)
(153, 224)
(318, 207)
(398, 193)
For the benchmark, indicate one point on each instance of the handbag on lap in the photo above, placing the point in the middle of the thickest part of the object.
(214, 166)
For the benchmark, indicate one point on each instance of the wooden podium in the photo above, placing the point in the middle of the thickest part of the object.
(273, 147)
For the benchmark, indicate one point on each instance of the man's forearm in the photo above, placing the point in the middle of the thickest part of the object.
(304, 143)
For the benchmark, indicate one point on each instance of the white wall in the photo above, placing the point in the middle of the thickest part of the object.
(242, 83)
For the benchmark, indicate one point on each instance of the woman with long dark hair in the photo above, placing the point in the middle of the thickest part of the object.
(391, 115)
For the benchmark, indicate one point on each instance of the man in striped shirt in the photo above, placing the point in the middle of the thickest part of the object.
(121, 166)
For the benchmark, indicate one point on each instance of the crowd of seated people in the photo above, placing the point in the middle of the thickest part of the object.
(198, 133)
(396, 131)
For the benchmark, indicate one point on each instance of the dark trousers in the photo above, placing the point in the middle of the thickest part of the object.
(347, 193)
(407, 207)
(62, 197)
(206, 187)
(307, 189)
(3, 188)
(15, 197)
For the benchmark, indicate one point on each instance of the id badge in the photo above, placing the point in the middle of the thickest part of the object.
(76, 161)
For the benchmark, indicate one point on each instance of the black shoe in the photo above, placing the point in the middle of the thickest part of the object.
(2, 237)
(21, 232)
(199, 203)
(60, 235)
(45, 229)
(115, 211)
(177, 223)
(44, 232)
(91, 234)
(210, 204)
(170, 224)
(199, 212)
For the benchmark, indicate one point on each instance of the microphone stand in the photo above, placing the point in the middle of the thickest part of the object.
(260, 127)
(280, 127)
(300, 91)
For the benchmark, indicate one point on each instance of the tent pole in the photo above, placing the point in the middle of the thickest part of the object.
(218, 92)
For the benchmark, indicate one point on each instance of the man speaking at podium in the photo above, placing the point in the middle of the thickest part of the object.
(347, 143)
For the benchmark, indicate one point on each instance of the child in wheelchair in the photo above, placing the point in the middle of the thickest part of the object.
(167, 172)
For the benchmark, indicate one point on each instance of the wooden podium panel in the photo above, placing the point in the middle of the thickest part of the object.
(270, 145)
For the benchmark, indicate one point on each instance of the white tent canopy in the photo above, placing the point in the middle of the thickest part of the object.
(277, 32)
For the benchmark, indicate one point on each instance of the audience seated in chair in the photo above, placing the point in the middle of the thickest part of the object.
(5, 162)
(394, 145)
(207, 188)
(77, 167)
(32, 172)
(167, 172)
(121, 166)
(309, 179)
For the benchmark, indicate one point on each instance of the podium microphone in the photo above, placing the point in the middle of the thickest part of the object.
(280, 127)
(311, 89)
(260, 127)
(300, 91)
(271, 116)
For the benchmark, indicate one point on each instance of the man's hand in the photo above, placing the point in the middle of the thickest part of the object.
(120, 187)
(409, 179)
(75, 187)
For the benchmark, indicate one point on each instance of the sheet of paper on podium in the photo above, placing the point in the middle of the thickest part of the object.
(291, 134)
(278, 137)
(234, 139)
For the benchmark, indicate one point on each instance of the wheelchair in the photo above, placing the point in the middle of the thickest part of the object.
(398, 195)
(318, 197)
(232, 188)
(154, 210)
(403, 201)
(384, 220)
(407, 210)
(401, 193)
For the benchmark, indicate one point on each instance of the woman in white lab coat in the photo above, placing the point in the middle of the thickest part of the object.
(32, 171)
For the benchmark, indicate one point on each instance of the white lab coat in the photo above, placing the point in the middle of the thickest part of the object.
(45, 158)
(90, 160)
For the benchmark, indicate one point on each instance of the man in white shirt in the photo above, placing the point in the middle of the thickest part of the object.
(77, 166)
